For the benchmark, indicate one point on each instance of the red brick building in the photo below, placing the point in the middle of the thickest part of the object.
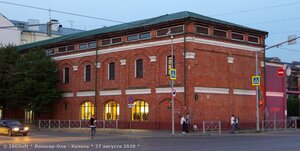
(102, 68)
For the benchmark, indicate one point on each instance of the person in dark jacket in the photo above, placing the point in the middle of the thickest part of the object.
(93, 126)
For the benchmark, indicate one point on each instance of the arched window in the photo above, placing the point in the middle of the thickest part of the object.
(111, 110)
(87, 110)
(29, 116)
(139, 71)
(169, 64)
(66, 74)
(87, 73)
(111, 71)
(140, 111)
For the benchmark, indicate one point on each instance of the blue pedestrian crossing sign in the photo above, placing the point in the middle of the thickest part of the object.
(173, 74)
(255, 80)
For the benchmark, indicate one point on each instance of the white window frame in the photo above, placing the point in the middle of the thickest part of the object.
(137, 35)
(62, 47)
(88, 43)
(87, 46)
(64, 75)
(169, 28)
(108, 65)
(161, 29)
(220, 30)
(110, 41)
(47, 51)
(135, 68)
(254, 37)
(84, 74)
(238, 34)
(116, 38)
(69, 50)
(202, 27)
(144, 33)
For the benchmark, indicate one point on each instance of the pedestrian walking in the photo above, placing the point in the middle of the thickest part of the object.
(183, 123)
(93, 126)
(237, 122)
(187, 121)
(232, 122)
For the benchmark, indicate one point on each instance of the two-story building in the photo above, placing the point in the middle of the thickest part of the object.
(102, 69)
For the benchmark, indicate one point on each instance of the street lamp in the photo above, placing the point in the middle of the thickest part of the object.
(257, 104)
(172, 82)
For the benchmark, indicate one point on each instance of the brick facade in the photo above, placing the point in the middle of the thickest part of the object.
(218, 70)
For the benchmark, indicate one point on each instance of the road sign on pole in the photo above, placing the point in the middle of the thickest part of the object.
(280, 72)
(130, 100)
(255, 80)
(173, 74)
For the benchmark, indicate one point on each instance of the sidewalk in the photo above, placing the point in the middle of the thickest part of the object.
(145, 133)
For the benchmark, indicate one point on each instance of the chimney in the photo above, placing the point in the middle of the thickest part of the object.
(33, 22)
(54, 24)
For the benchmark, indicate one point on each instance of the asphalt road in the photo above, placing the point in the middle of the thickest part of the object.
(271, 141)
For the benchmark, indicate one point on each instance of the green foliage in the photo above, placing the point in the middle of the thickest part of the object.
(33, 82)
(8, 58)
(292, 106)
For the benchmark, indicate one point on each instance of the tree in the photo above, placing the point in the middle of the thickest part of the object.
(33, 82)
(8, 58)
(292, 106)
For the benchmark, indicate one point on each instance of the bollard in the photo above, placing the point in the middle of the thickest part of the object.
(69, 123)
(39, 124)
(203, 127)
(49, 124)
(117, 126)
(79, 123)
(219, 127)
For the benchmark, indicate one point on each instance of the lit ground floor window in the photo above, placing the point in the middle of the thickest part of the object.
(87, 110)
(140, 111)
(111, 110)
(29, 116)
(1, 114)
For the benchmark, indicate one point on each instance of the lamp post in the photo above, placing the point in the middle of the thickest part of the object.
(172, 82)
(172, 86)
(257, 99)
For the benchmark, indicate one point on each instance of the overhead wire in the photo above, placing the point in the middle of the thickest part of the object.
(256, 9)
(62, 12)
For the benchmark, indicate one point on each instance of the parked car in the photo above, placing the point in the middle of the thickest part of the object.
(13, 127)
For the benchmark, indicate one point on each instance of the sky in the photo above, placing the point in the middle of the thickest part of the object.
(281, 18)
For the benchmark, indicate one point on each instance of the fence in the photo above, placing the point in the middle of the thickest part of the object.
(76, 124)
(279, 124)
(211, 126)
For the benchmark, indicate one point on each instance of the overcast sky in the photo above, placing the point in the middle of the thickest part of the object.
(280, 18)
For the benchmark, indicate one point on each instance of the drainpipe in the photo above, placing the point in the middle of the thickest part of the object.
(96, 79)
(184, 70)
(265, 84)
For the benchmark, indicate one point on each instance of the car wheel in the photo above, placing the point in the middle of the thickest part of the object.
(9, 133)
(24, 134)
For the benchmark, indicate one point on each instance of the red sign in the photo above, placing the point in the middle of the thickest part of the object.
(275, 109)
(280, 72)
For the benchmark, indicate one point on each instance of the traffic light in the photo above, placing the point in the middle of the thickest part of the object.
(261, 103)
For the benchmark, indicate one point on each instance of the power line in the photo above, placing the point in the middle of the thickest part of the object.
(289, 49)
(62, 12)
(274, 21)
(256, 9)
(284, 32)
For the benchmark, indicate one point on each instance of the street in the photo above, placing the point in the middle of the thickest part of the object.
(49, 140)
